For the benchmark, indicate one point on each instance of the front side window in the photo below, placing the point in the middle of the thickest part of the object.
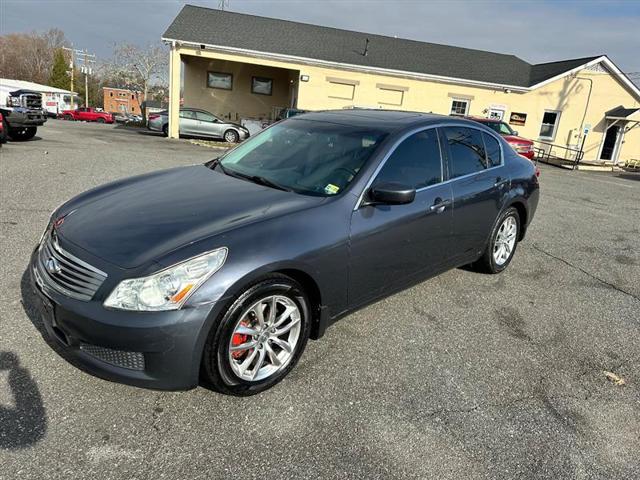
(550, 121)
(415, 162)
(459, 107)
(499, 127)
(304, 156)
(466, 149)
(493, 150)
(205, 117)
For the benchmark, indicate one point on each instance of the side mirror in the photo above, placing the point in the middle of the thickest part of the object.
(391, 194)
(515, 132)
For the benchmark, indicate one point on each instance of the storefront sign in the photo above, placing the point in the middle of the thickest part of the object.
(517, 118)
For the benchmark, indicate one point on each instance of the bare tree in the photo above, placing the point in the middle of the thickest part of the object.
(138, 68)
(29, 56)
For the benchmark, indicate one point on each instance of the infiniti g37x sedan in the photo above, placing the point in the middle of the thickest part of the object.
(221, 272)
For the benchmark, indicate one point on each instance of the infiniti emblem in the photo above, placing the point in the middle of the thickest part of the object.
(52, 265)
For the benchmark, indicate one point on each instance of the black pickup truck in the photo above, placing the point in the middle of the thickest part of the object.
(23, 114)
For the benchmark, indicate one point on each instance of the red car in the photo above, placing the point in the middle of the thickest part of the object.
(87, 114)
(521, 145)
(3, 131)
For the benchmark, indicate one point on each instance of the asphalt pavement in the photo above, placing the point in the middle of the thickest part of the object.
(533, 373)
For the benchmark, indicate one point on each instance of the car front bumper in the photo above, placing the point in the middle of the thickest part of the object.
(159, 350)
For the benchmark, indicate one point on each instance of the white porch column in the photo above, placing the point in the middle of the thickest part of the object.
(175, 66)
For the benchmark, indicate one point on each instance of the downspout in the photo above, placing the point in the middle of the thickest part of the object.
(584, 116)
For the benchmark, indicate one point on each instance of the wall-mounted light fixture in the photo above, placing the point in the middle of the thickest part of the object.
(202, 47)
(304, 78)
(507, 90)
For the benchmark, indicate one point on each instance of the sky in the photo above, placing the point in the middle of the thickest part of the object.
(536, 31)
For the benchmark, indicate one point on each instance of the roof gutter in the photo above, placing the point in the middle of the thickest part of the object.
(348, 66)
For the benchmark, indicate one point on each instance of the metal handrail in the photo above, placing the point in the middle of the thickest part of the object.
(551, 155)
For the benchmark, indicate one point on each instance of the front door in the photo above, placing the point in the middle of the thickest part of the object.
(479, 181)
(610, 143)
(208, 125)
(393, 245)
(188, 122)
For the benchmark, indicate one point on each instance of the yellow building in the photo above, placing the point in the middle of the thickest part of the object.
(244, 67)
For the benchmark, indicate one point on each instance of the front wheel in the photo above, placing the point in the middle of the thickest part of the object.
(100, 120)
(502, 243)
(259, 339)
(231, 136)
(21, 134)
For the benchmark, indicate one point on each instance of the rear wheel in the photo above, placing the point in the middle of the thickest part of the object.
(502, 244)
(68, 117)
(21, 134)
(231, 136)
(165, 130)
(259, 339)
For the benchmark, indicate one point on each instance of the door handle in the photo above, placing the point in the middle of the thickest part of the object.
(500, 181)
(439, 205)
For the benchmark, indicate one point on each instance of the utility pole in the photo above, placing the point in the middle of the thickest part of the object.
(87, 59)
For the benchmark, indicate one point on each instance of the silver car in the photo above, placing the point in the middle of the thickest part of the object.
(199, 123)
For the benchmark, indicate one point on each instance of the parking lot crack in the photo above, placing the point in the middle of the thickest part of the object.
(576, 267)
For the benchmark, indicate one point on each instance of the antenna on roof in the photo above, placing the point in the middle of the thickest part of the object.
(366, 47)
(222, 4)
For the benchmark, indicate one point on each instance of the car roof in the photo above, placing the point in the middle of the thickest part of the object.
(386, 120)
(484, 119)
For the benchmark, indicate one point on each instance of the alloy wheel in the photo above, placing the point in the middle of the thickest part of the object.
(231, 136)
(265, 337)
(505, 240)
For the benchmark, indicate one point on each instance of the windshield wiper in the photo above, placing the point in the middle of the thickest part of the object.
(253, 178)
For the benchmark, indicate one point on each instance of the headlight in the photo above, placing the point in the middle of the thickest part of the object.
(169, 288)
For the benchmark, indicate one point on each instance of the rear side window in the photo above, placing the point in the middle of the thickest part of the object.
(466, 150)
(188, 114)
(415, 162)
(493, 150)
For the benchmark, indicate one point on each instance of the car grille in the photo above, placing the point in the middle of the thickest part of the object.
(65, 273)
(119, 358)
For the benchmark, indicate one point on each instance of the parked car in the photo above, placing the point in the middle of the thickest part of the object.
(87, 114)
(522, 145)
(22, 112)
(199, 123)
(127, 118)
(3, 131)
(226, 269)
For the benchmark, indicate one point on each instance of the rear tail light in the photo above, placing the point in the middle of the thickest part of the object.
(523, 147)
(154, 116)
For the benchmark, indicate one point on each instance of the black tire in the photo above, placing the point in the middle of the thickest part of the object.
(100, 120)
(68, 118)
(216, 370)
(165, 130)
(487, 262)
(22, 134)
(231, 136)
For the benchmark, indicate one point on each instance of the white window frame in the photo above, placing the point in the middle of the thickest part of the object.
(466, 101)
(555, 126)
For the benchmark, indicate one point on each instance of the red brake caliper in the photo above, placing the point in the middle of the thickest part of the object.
(239, 339)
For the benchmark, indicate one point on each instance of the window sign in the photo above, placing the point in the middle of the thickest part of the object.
(518, 118)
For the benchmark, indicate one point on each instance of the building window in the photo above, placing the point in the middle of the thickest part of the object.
(223, 81)
(261, 85)
(111, 94)
(550, 121)
(459, 107)
(132, 96)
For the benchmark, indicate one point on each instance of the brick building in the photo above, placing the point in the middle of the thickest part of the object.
(121, 100)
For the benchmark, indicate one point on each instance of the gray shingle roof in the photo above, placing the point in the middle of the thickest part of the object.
(229, 29)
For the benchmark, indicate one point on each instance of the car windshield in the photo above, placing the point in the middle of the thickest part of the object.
(500, 127)
(304, 156)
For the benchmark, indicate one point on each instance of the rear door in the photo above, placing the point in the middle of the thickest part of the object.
(392, 245)
(188, 122)
(479, 184)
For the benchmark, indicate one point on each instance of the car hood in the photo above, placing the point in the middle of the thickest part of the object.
(138, 220)
(516, 139)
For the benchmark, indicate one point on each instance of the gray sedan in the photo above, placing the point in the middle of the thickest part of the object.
(199, 123)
